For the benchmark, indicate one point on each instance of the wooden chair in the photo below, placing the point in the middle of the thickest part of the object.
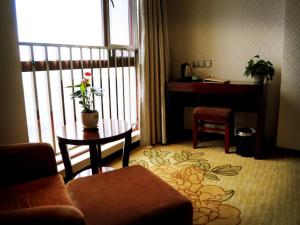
(213, 115)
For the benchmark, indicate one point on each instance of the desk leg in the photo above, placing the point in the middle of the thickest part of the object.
(175, 117)
(126, 149)
(260, 129)
(94, 158)
(259, 151)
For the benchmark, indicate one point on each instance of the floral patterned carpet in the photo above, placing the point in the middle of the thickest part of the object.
(186, 171)
(225, 189)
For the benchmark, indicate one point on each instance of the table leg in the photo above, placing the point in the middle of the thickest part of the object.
(99, 157)
(126, 149)
(66, 160)
(94, 158)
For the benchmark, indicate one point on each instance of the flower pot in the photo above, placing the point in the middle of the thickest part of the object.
(259, 79)
(89, 119)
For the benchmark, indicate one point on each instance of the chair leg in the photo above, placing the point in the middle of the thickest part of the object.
(195, 132)
(227, 138)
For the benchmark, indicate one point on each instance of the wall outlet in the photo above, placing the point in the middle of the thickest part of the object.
(196, 63)
(202, 63)
(207, 63)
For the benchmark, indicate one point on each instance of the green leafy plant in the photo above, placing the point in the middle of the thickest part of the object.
(85, 93)
(258, 66)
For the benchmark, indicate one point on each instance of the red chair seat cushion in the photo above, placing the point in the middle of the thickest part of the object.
(212, 113)
(45, 191)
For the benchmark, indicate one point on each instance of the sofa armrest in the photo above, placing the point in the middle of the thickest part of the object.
(25, 162)
(43, 215)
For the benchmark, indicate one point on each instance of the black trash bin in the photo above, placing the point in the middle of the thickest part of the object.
(245, 141)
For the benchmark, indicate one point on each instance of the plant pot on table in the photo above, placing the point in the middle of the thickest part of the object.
(259, 78)
(90, 119)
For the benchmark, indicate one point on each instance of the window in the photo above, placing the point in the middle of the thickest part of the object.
(123, 22)
(62, 39)
(119, 22)
(60, 21)
(77, 22)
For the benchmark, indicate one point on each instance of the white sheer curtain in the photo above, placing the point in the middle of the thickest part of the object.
(154, 70)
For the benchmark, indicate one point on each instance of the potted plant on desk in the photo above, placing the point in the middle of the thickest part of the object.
(85, 94)
(259, 69)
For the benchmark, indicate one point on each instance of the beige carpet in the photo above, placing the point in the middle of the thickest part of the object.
(227, 188)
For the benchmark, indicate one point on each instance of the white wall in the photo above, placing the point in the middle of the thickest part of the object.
(13, 128)
(230, 32)
(289, 116)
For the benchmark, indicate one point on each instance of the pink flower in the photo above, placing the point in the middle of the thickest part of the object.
(85, 82)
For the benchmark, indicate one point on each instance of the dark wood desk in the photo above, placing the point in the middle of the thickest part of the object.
(108, 131)
(243, 97)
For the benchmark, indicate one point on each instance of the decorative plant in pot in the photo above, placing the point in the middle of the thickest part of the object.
(85, 94)
(259, 69)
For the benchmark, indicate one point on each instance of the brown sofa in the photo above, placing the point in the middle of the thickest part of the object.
(32, 192)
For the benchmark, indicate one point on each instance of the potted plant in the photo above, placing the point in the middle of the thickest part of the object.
(85, 94)
(259, 69)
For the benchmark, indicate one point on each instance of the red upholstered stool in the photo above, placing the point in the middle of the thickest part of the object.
(213, 115)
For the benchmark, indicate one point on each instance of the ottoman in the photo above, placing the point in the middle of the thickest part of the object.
(131, 195)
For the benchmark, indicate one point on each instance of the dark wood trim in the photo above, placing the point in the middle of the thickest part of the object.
(28, 66)
(106, 27)
(216, 88)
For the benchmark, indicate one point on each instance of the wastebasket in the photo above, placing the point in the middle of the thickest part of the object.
(245, 143)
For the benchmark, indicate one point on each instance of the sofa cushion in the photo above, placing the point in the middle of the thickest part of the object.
(46, 191)
(131, 195)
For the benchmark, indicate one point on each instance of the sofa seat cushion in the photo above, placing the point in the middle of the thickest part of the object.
(46, 191)
(131, 195)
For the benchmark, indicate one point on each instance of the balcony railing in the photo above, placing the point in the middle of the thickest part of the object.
(48, 68)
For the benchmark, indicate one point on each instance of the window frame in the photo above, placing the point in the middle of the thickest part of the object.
(133, 25)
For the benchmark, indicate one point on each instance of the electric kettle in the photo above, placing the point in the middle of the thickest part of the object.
(185, 70)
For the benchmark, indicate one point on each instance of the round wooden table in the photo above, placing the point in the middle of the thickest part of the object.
(108, 130)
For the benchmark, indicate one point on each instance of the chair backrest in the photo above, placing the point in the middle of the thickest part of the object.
(25, 162)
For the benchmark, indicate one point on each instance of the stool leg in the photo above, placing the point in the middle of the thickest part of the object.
(227, 138)
(195, 132)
